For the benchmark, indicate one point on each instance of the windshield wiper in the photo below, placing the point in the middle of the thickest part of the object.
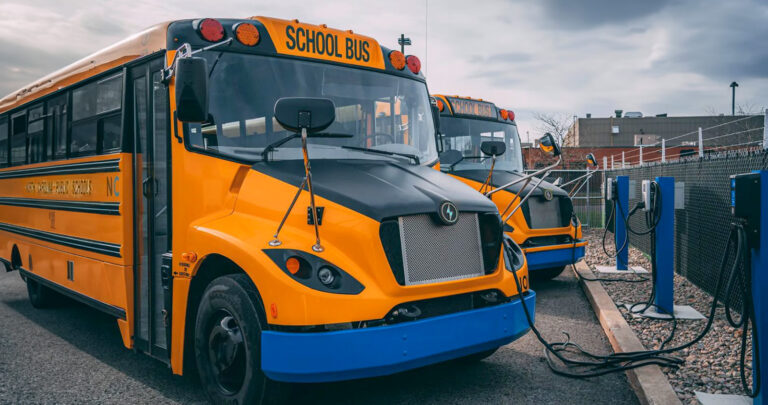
(385, 152)
(280, 142)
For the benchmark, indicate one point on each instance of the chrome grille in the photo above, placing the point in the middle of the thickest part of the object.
(547, 214)
(433, 252)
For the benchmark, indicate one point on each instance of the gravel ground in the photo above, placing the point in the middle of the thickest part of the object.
(712, 365)
(73, 354)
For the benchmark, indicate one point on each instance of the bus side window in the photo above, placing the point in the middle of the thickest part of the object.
(19, 138)
(35, 126)
(56, 128)
(3, 141)
(96, 123)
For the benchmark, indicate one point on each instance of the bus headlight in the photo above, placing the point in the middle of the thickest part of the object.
(314, 272)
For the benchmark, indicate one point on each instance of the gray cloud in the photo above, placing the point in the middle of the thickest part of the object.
(587, 14)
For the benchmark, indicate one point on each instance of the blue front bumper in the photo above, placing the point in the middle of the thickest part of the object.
(547, 259)
(382, 350)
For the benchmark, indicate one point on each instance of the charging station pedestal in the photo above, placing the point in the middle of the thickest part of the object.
(665, 260)
(759, 257)
(760, 300)
(620, 210)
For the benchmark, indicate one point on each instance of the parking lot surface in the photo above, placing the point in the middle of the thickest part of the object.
(74, 354)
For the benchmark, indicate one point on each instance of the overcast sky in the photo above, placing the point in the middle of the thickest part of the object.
(555, 56)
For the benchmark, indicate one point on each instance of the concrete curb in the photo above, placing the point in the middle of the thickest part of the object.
(650, 384)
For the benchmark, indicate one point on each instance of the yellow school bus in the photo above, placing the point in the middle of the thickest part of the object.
(544, 225)
(226, 190)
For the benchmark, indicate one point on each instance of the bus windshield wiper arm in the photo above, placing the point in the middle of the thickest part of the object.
(280, 142)
(385, 152)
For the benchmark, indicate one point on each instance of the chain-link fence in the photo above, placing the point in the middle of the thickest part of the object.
(586, 197)
(703, 224)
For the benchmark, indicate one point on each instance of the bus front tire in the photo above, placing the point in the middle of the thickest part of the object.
(546, 274)
(39, 295)
(228, 342)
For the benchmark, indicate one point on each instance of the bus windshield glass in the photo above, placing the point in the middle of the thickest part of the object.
(466, 134)
(380, 111)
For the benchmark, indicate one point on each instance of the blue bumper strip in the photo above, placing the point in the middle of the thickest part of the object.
(545, 259)
(383, 350)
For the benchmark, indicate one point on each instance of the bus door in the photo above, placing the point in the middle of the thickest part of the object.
(152, 219)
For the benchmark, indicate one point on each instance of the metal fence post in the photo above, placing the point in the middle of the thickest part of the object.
(623, 163)
(589, 212)
(701, 144)
(663, 150)
(613, 164)
(665, 246)
(641, 155)
(620, 227)
(765, 129)
(605, 162)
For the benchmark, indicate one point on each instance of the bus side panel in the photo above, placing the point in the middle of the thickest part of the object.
(53, 221)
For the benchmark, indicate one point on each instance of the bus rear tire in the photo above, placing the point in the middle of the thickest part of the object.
(546, 274)
(40, 296)
(228, 342)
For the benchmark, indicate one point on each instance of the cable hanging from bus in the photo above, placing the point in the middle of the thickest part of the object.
(227, 190)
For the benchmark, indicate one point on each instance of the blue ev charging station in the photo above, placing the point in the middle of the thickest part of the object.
(616, 193)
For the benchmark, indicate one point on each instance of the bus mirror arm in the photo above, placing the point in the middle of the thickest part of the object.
(185, 51)
(526, 177)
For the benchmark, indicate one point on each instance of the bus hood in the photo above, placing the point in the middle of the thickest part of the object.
(501, 177)
(380, 189)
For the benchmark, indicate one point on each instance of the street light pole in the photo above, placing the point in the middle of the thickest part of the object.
(403, 41)
(734, 85)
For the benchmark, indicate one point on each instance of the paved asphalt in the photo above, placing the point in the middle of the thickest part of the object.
(74, 354)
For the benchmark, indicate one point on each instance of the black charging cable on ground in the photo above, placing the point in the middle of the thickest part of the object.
(592, 365)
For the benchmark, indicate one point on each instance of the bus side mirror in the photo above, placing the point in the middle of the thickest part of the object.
(192, 89)
(548, 145)
(310, 113)
(493, 148)
(591, 161)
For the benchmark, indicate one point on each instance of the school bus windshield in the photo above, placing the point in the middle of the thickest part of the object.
(379, 110)
(466, 135)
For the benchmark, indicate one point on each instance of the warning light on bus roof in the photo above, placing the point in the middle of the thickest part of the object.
(210, 29)
(397, 59)
(414, 64)
(440, 105)
(511, 115)
(247, 34)
(504, 114)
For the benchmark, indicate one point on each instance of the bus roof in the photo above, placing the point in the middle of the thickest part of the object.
(146, 42)
(471, 107)
(279, 37)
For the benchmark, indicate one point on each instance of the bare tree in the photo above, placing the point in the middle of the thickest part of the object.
(556, 124)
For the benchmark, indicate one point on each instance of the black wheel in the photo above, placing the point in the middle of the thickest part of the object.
(546, 274)
(473, 358)
(228, 342)
(39, 295)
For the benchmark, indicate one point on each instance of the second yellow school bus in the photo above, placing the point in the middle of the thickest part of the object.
(165, 181)
(545, 225)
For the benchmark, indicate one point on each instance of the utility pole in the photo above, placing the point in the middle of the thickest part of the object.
(403, 41)
(734, 85)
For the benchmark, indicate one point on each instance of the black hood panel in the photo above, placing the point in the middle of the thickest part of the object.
(380, 189)
(501, 177)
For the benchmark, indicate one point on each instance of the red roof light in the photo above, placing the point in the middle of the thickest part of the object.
(210, 29)
(414, 64)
